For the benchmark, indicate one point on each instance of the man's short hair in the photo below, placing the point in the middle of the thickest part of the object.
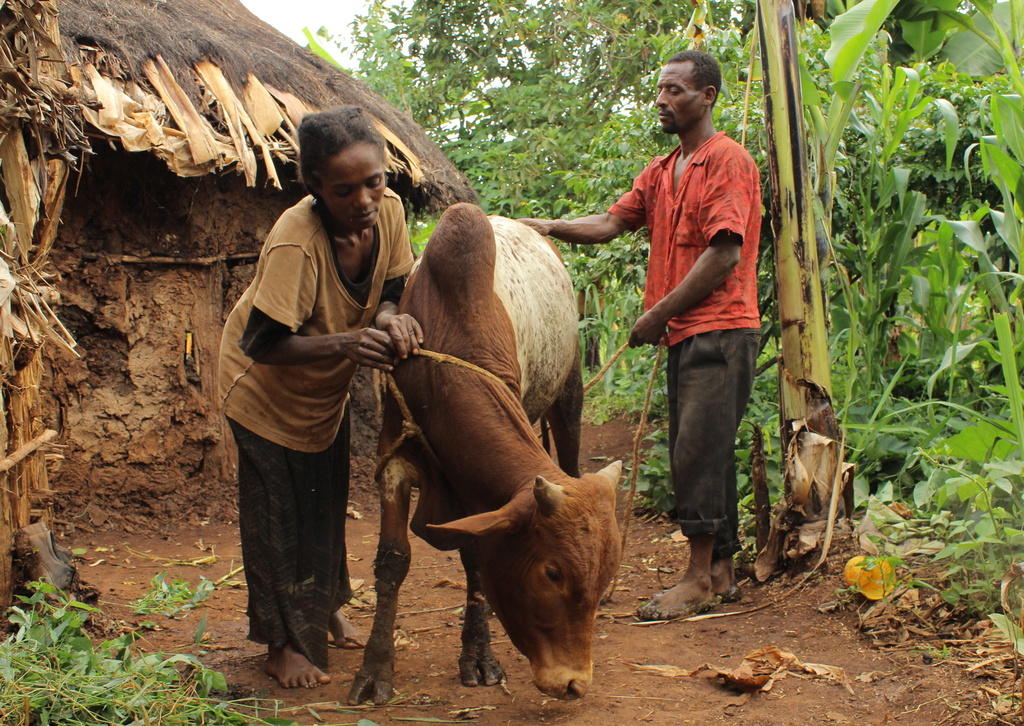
(705, 68)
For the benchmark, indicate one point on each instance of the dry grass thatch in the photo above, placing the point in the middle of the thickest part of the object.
(40, 139)
(206, 85)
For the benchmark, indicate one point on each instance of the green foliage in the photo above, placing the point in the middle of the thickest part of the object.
(654, 483)
(51, 673)
(171, 598)
(1010, 629)
(511, 88)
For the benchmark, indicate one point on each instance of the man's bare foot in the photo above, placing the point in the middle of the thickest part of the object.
(723, 580)
(293, 670)
(345, 634)
(692, 595)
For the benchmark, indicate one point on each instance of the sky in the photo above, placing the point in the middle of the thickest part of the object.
(291, 16)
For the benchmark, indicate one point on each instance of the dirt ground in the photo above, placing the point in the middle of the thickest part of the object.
(904, 685)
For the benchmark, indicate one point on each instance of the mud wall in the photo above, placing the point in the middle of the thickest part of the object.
(150, 264)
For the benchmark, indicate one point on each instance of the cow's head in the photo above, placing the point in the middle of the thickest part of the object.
(546, 560)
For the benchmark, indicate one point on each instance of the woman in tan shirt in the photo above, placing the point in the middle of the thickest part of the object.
(323, 301)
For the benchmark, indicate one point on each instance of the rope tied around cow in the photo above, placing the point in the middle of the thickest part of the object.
(410, 429)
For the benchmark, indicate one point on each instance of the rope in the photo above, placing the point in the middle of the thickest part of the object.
(635, 467)
(452, 360)
(409, 427)
(604, 369)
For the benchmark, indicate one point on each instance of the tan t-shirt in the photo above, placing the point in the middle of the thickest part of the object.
(297, 284)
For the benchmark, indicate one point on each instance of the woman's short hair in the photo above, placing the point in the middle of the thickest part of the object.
(326, 133)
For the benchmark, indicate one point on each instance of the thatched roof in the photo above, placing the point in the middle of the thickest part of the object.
(205, 85)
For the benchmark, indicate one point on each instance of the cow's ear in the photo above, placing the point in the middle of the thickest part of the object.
(515, 514)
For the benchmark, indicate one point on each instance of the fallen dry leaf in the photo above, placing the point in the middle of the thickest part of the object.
(901, 509)
(668, 671)
(404, 640)
(353, 512)
(757, 672)
(445, 582)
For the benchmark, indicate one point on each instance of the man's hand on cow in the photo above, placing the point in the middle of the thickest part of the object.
(368, 347)
(405, 333)
(541, 225)
(648, 329)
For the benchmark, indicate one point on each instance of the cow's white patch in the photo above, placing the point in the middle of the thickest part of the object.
(534, 286)
(397, 477)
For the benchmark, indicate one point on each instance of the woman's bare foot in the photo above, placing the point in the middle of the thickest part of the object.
(345, 634)
(292, 669)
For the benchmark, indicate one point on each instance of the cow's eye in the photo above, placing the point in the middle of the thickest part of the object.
(553, 573)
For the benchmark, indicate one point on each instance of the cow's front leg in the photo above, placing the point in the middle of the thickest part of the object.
(375, 677)
(477, 663)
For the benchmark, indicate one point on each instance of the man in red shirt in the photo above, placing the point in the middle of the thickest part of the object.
(701, 205)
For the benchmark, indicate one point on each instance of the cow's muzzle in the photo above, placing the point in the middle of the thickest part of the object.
(567, 684)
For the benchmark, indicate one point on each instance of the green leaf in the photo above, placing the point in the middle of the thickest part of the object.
(314, 45)
(953, 355)
(979, 442)
(851, 34)
(1010, 629)
(1008, 467)
(1008, 354)
(1008, 122)
(969, 52)
(922, 36)
(969, 232)
(950, 127)
(200, 630)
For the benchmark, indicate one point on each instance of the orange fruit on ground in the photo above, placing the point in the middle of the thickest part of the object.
(873, 577)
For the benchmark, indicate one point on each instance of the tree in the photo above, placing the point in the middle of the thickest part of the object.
(514, 90)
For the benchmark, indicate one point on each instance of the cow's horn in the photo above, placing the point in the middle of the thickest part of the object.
(612, 472)
(548, 494)
(610, 475)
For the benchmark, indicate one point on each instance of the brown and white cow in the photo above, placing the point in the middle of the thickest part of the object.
(541, 543)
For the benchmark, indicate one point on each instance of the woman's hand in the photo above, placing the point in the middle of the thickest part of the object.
(368, 347)
(404, 332)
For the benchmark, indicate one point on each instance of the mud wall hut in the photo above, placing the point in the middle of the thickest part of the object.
(191, 108)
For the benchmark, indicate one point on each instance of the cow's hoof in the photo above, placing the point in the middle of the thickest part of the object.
(367, 685)
(475, 670)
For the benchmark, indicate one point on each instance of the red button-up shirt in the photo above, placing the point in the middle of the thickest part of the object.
(719, 190)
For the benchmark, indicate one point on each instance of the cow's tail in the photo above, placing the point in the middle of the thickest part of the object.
(461, 252)
(545, 434)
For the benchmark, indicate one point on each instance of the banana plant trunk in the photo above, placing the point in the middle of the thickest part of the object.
(813, 457)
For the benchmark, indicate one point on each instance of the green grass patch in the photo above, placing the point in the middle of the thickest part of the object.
(51, 673)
